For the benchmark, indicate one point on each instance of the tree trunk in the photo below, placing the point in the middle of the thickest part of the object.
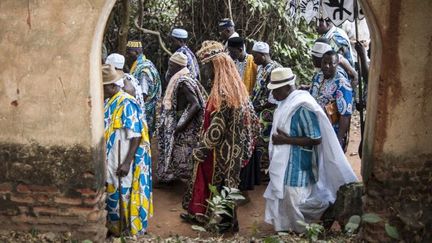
(140, 14)
(124, 27)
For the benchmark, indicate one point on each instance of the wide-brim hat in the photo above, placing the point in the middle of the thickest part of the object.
(280, 77)
(110, 75)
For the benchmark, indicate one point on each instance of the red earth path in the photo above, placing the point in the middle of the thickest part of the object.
(167, 202)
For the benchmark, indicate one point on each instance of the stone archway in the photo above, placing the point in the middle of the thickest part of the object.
(51, 145)
(397, 157)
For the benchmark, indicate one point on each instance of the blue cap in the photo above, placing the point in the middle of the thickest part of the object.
(225, 23)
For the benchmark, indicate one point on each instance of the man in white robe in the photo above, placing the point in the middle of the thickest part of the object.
(307, 164)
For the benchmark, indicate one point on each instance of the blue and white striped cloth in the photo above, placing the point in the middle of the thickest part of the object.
(304, 123)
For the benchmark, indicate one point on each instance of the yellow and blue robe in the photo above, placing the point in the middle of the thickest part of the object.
(123, 112)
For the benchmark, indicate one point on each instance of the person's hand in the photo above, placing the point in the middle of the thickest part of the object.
(280, 137)
(123, 170)
(304, 87)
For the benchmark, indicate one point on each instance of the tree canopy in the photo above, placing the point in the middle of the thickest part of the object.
(263, 20)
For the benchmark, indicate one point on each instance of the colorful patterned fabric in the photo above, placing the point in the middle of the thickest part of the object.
(175, 149)
(336, 89)
(122, 113)
(264, 110)
(338, 39)
(145, 69)
(138, 90)
(192, 64)
(248, 72)
(304, 123)
(226, 144)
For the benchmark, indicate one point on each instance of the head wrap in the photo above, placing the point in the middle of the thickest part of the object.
(179, 58)
(179, 33)
(116, 60)
(236, 42)
(111, 76)
(209, 50)
(280, 77)
(226, 23)
(320, 48)
(261, 47)
(135, 45)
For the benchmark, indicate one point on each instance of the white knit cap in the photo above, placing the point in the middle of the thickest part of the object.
(320, 48)
(116, 60)
(179, 58)
(179, 33)
(261, 47)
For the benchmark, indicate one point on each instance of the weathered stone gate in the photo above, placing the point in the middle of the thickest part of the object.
(51, 119)
(397, 157)
(51, 116)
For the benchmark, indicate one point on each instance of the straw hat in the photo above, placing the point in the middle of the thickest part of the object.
(110, 74)
(280, 77)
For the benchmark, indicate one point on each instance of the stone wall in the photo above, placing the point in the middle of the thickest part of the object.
(51, 142)
(397, 158)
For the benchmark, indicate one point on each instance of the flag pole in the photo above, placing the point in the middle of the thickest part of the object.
(360, 88)
(120, 203)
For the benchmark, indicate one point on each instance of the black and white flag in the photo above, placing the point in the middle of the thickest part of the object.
(339, 11)
(309, 9)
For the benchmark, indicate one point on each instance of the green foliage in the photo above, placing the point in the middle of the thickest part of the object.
(312, 230)
(254, 229)
(263, 20)
(218, 205)
(371, 218)
(353, 224)
(271, 239)
(391, 231)
(34, 232)
(290, 41)
(198, 228)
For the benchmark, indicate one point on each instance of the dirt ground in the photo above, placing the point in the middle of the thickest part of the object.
(167, 202)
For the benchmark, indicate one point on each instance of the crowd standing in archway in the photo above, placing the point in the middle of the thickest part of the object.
(233, 120)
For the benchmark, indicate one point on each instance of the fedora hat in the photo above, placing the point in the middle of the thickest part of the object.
(280, 77)
(110, 74)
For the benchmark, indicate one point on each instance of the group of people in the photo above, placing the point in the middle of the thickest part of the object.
(227, 118)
